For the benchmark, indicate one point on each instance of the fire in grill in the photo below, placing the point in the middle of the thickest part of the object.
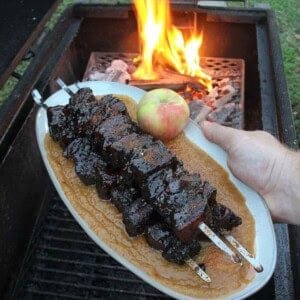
(60, 260)
(224, 104)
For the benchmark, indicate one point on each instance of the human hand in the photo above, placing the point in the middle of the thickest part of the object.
(261, 162)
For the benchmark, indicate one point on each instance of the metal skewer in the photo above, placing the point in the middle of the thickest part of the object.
(38, 99)
(64, 86)
(198, 270)
(244, 252)
(219, 243)
(77, 84)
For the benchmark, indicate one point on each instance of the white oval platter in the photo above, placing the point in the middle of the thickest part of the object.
(265, 243)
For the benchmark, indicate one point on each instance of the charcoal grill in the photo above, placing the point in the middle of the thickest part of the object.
(44, 253)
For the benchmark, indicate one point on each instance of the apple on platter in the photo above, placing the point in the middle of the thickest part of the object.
(162, 113)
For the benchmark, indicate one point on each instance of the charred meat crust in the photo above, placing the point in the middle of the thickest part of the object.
(157, 196)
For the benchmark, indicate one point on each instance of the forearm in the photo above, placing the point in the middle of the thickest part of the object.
(284, 199)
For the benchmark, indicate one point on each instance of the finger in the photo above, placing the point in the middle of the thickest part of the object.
(225, 137)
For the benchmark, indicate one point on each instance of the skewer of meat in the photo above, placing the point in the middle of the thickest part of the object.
(183, 223)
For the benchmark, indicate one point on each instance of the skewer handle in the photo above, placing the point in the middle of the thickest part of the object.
(61, 83)
(218, 242)
(244, 252)
(38, 99)
(198, 270)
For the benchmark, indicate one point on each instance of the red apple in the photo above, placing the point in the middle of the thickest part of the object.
(162, 113)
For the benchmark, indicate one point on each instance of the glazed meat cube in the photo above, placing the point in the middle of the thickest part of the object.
(87, 168)
(181, 204)
(78, 149)
(113, 105)
(112, 130)
(127, 147)
(224, 219)
(106, 181)
(137, 216)
(178, 252)
(122, 197)
(150, 160)
(56, 121)
(83, 95)
(160, 237)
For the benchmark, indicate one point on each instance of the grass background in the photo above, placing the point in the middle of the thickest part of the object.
(288, 16)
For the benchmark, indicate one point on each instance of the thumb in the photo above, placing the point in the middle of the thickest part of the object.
(225, 137)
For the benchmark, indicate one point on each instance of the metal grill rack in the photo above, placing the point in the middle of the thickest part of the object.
(67, 264)
(217, 68)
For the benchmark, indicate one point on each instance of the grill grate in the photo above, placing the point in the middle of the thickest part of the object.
(66, 264)
(218, 68)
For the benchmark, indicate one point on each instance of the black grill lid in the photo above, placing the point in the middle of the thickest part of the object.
(20, 23)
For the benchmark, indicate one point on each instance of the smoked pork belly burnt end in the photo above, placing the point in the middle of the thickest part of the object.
(56, 121)
(90, 167)
(128, 147)
(143, 179)
(111, 130)
(106, 181)
(162, 238)
(122, 196)
(150, 160)
(137, 216)
(178, 197)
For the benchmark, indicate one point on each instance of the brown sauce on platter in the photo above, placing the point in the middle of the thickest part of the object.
(106, 222)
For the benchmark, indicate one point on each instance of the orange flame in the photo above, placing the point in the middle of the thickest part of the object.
(163, 44)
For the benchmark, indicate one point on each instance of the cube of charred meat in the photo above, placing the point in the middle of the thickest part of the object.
(122, 197)
(224, 219)
(89, 115)
(185, 213)
(137, 216)
(105, 183)
(88, 168)
(161, 182)
(78, 149)
(150, 160)
(180, 201)
(113, 105)
(112, 130)
(56, 121)
(178, 252)
(59, 128)
(160, 237)
(83, 95)
(128, 147)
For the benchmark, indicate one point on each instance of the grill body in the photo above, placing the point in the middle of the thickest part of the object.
(44, 253)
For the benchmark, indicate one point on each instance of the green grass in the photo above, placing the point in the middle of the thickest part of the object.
(287, 13)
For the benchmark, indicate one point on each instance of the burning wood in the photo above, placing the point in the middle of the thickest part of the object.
(229, 115)
(199, 111)
(224, 96)
(118, 71)
(222, 104)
